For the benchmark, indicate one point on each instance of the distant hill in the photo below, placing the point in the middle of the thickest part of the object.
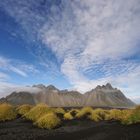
(102, 96)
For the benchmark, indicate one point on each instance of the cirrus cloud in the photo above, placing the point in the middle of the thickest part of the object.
(93, 41)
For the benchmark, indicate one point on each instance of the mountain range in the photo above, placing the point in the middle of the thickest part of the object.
(101, 96)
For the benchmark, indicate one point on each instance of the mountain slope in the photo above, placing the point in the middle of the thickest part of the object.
(107, 96)
(19, 98)
(103, 96)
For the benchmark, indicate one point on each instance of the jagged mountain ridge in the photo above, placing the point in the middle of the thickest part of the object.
(103, 96)
(107, 96)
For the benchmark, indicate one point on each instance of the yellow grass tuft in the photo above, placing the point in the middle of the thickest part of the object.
(59, 111)
(114, 114)
(7, 112)
(120, 115)
(84, 112)
(132, 117)
(125, 115)
(37, 111)
(98, 114)
(68, 116)
(48, 121)
(23, 109)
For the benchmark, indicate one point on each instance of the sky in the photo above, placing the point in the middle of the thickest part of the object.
(73, 44)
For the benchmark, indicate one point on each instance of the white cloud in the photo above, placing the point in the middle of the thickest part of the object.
(102, 31)
(136, 99)
(6, 88)
(3, 76)
(18, 71)
(18, 67)
(88, 37)
(10, 65)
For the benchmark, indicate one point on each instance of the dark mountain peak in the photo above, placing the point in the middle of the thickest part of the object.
(108, 86)
(51, 87)
(64, 91)
(41, 86)
(98, 87)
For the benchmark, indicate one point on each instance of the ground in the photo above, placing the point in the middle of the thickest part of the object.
(21, 129)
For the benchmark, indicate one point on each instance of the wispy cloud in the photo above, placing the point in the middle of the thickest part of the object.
(7, 66)
(92, 40)
(95, 35)
(18, 71)
(16, 66)
(6, 88)
(3, 76)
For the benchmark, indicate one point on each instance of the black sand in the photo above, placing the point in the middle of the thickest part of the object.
(21, 129)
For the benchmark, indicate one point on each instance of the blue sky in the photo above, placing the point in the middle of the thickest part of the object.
(72, 44)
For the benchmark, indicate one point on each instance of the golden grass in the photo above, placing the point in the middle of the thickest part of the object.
(125, 116)
(120, 115)
(23, 109)
(68, 116)
(46, 117)
(48, 121)
(84, 112)
(98, 114)
(7, 112)
(132, 117)
(59, 111)
(114, 114)
(37, 111)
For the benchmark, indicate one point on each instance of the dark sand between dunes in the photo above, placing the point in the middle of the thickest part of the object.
(21, 129)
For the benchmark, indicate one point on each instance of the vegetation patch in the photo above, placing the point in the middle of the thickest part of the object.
(48, 121)
(68, 116)
(114, 114)
(59, 111)
(132, 116)
(36, 112)
(7, 112)
(23, 109)
(49, 118)
(99, 114)
(84, 112)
